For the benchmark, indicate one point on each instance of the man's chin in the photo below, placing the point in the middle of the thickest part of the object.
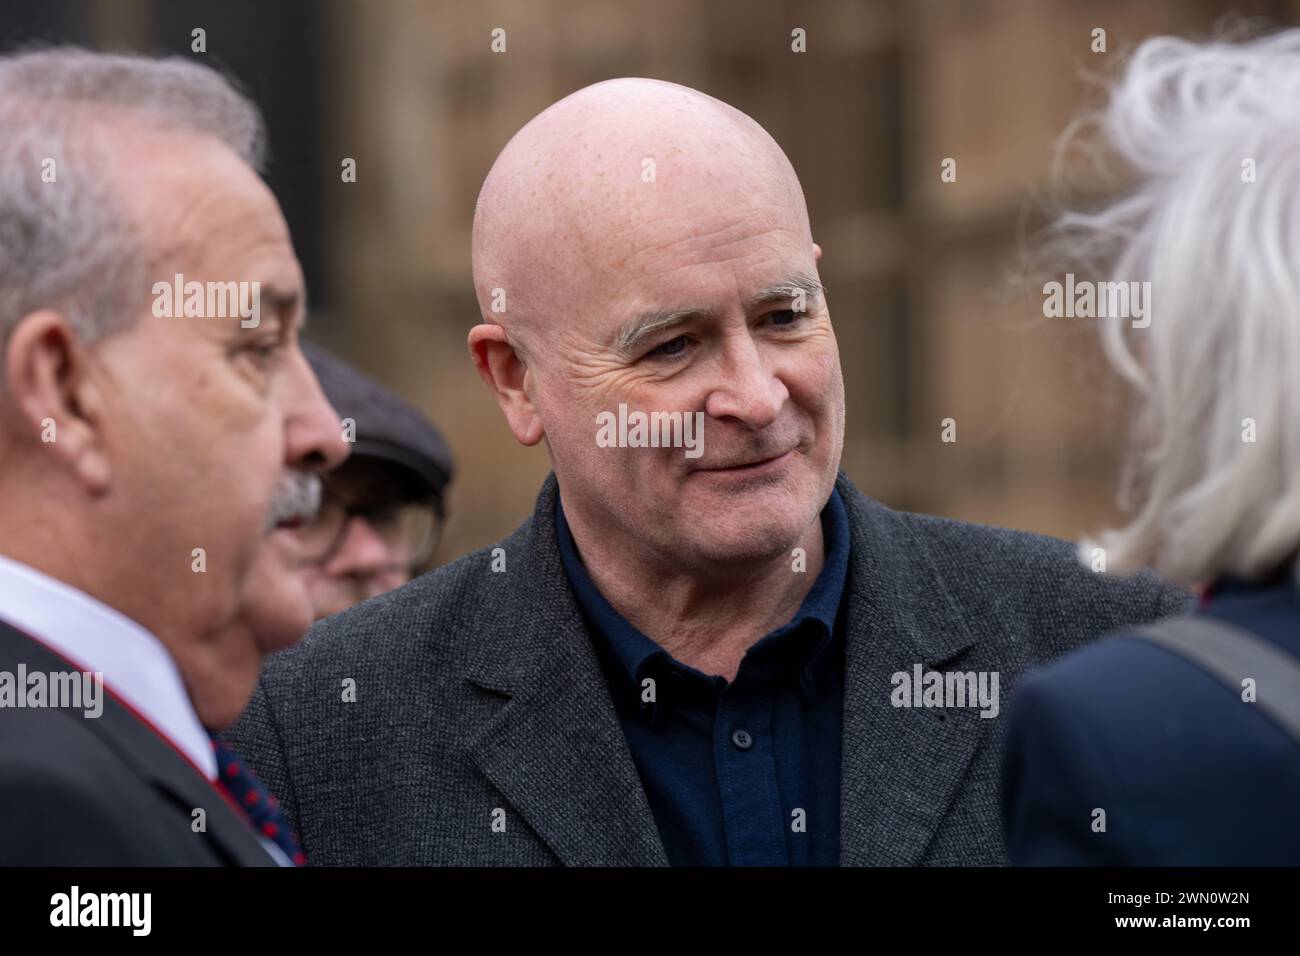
(745, 544)
(749, 531)
(220, 703)
(286, 626)
(277, 605)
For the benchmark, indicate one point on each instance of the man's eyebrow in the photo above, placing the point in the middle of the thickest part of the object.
(281, 300)
(802, 282)
(648, 323)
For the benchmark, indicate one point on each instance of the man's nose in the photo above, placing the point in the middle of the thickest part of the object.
(314, 434)
(748, 390)
(362, 552)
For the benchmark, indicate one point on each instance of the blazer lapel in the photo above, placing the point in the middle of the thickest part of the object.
(152, 758)
(556, 749)
(901, 767)
(231, 835)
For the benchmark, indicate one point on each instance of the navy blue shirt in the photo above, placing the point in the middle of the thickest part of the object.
(739, 773)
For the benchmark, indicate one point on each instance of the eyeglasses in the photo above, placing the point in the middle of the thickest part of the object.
(410, 530)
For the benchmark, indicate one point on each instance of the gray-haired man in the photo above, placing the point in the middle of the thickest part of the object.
(149, 446)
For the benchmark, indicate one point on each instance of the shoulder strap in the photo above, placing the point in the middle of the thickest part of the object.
(1232, 654)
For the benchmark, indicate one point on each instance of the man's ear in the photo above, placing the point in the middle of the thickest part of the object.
(817, 253)
(506, 374)
(54, 402)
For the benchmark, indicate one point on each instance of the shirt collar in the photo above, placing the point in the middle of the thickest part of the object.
(95, 637)
(634, 650)
(629, 646)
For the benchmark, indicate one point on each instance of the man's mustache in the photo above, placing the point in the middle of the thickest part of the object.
(296, 499)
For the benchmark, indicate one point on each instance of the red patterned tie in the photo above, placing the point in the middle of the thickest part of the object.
(244, 789)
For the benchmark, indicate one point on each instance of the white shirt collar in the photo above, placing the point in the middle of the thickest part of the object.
(93, 636)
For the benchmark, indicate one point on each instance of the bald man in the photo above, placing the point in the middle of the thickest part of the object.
(706, 646)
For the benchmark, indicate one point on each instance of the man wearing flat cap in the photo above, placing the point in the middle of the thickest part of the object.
(706, 646)
(382, 511)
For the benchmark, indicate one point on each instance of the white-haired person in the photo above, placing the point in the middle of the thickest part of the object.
(1179, 743)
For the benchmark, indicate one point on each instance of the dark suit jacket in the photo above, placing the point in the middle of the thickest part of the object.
(103, 791)
(1187, 773)
(479, 691)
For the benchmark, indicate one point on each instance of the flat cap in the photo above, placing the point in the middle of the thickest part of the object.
(387, 428)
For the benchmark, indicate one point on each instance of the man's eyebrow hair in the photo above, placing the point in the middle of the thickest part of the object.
(285, 299)
(647, 323)
(800, 282)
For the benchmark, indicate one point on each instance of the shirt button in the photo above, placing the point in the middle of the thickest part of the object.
(742, 740)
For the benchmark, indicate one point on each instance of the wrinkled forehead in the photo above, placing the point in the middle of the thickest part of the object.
(196, 202)
(163, 174)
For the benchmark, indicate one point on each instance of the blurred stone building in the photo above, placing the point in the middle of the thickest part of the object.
(928, 325)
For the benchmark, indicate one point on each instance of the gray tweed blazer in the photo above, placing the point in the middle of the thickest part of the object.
(463, 719)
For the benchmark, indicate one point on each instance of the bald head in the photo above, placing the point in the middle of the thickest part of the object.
(593, 185)
(639, 245)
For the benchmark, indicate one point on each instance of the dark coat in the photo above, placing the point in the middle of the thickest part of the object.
(103, 791)
(479, 697)
(1187, 772)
